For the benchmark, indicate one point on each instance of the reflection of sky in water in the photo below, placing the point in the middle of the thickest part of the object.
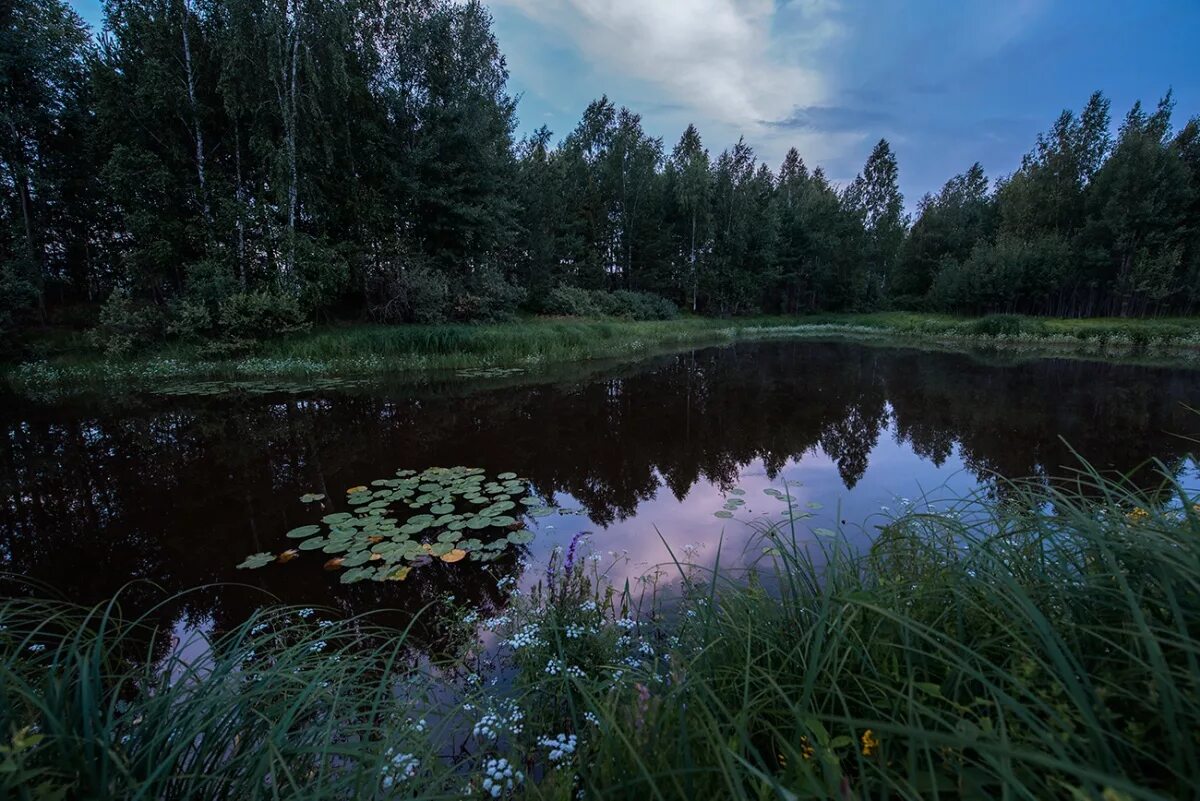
(665, 524)
(179, 491)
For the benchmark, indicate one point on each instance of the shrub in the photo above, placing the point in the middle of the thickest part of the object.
(995, 325)
(127, 324)
(487, 296)
(410, 293)
(248, 316)
(576, 302)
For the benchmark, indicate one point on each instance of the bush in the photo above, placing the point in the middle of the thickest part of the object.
(1009, 325)
(410, 293)
(576, 302)
(487, 296)
(249, 316)
(126, 324)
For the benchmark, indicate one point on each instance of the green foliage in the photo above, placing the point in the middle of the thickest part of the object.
(1037, 646)
(127, 325)
(375, 175)
(1006, 325)
(246, 317)
(575, 302)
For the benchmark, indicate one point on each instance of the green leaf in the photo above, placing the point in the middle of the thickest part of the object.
(257, 560)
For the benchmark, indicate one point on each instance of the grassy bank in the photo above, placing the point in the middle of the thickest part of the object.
(1044, 647)
(535, 344)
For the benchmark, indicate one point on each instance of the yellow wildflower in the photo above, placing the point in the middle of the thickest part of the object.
(806, 749)
(1137, 515)
(869, 743)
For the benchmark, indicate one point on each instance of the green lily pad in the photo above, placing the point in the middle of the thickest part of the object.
(312, 497)
(257, 560)
(520, 537)
(303, 531)
(724, 514)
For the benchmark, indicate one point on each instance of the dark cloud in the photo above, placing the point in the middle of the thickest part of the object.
(833, 119)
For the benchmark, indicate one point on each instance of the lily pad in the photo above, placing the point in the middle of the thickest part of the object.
(257, 560)
(724, 514)
(303, 531)
(521, 536)
(312, 497)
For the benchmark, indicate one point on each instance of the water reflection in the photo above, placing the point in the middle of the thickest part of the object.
(178, 491)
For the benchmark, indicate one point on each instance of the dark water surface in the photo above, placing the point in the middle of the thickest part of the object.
(179, 490)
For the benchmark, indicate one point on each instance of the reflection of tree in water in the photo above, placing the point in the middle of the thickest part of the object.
(180, 491)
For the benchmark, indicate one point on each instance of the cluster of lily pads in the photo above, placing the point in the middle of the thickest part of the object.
(789, 499)
(489, 372)
(255, 386)
(446, 513)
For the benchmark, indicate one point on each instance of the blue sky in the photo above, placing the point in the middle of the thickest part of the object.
(948, 83)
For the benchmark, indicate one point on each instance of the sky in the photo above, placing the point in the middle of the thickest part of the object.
(947, 83)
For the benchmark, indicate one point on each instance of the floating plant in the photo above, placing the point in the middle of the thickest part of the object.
(445, 513)
(791, 503)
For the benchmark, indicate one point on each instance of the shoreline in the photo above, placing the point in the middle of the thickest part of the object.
(364, 351)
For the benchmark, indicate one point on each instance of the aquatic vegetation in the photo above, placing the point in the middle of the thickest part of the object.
(398, 523)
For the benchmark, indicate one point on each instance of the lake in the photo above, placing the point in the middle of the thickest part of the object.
(178, 489)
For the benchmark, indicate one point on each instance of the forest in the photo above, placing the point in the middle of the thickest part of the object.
(223, 170)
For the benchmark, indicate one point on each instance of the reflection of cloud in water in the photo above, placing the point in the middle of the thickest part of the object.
(661, 527)
(179, 490)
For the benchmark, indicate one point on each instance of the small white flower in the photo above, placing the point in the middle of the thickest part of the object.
(305, 613)
(37, 647)
(561, 747)
(318, 646)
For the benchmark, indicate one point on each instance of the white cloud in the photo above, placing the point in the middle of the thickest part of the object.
(731, 66)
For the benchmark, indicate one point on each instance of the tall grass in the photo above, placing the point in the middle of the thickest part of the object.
(279, 708)
(1041, 646)
(534, 344)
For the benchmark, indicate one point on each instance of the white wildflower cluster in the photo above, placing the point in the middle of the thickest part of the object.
(624, 641)
(493, 724)
(258, 628)
(419, 726)
(324, 624)
(554, 667)
(318, 646)
(399, 768)
(588, 606)
(37, 647)
(504, 582)
(626, 623)
(500, 777)
(526, 637)
(561, 748)
(591, 718)
(473, 678)
(645, 649)
(499, 621)
(576, 671)
(574, 631)
(305, 613)
(470, 617)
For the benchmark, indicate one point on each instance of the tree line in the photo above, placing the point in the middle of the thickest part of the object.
(229, 168)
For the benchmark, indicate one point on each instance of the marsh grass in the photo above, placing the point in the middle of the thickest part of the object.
(532, 345)
(1040, 646)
